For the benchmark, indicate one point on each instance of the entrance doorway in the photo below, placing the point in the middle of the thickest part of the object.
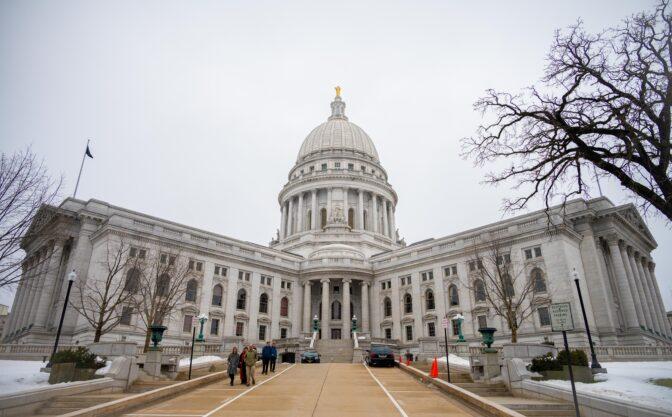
(335, 333)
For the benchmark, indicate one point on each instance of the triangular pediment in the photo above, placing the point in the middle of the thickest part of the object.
(632, 217)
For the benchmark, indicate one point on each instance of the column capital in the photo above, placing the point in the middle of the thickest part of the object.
(347, 280)
(307, 283)
(313, 191)
(325, 280)
(367, 283)
(612, 238)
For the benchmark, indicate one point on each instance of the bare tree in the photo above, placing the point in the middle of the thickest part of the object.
(26, 190)
(603, 109)
(506, 286)
(161, 285)
(101, 301)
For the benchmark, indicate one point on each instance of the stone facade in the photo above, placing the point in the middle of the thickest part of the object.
(338, 254)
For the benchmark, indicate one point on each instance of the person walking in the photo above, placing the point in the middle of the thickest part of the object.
(250, 361)
(265, 358)
(234, 362)
(274, 356)
(243, 369)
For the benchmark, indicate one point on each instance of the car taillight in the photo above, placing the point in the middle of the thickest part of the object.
(373, 355)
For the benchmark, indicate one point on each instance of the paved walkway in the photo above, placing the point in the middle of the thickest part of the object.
(320, 390)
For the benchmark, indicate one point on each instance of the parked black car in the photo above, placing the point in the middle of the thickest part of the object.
(310, 356)
(380, 355)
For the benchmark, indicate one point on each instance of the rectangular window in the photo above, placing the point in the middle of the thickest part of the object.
(240, 326)
(409, 333)
(431, 329)
(126, 315)
(472, 266)
(199, 266)
(191, 265)
(171, 260)
(312, 168)
(142, 253)
(289, 285)
(163, 258)
(363, 168)
(403, 280)
(544, 317)
(133, 252)
(482, 322)
(186, 325)
(282, 284)
(243, 276)
(214, 326)
(324, 167)
(337, 289)
(455, 329)
(388, 333)
(283, 333)
(268, 281)
(220, 270)
(427, 276)
(382, 285)
(450, 270)
(262, 332)
(337, 165)
(504, 259)
(537, 252)
(351, 167)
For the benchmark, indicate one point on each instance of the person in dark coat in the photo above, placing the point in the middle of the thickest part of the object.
(265, 358)
(274, 356)
(243, 371)
(234, 363)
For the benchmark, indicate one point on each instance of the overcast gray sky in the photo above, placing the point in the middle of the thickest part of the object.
(197, 109)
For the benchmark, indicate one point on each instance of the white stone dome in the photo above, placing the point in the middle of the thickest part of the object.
(338, 134)
(336, 250)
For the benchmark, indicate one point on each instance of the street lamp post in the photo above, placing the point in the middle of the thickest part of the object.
(594, 364)
(202, 318)
(72, 276)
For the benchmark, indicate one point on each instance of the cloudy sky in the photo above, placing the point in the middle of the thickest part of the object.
(197, 109)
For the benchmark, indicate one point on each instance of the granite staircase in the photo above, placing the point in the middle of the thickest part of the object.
(335, 350)
(70, 403)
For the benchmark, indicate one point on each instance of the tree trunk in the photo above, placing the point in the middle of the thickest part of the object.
(514, 334)
(148, 334)
(99, 332)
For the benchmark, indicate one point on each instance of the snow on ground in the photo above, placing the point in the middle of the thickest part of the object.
(202, 359)
(105, 369)
(629, 381)
(21, 375)
(455, 360)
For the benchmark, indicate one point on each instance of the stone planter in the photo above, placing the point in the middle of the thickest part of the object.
(66, 372)
(581, 374)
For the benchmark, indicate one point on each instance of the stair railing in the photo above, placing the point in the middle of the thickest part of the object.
(312, 340)
(355, 340)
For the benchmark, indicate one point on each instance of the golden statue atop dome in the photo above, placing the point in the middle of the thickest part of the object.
(338, 91)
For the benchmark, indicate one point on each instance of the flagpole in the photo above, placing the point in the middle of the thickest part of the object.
(74, 195)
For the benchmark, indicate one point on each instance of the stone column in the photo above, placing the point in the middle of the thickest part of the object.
(374, 215)
(346, 313)
(307, 298)
(253, 307)
(639, 294)
(632, 279)
(328, 204)
(32, 290)
(393, 225)
(396, 309)
(299, 215)
(275, 308)
(649, 270)
(365, 306)
(283, 221)
(326, 317)
(386, 225)
(360, 209)
(314, 214)
(50, 280)
(39, 283)
(9, 327)
(657, 325)
(627, 302)
(230, 307)
(290, 216)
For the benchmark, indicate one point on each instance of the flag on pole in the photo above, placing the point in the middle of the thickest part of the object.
(88, 151)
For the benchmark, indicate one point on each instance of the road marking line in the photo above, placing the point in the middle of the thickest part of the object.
(396, 404)
(246, 392)
(165, 415)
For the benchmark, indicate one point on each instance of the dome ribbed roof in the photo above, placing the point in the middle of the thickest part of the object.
(338, 134)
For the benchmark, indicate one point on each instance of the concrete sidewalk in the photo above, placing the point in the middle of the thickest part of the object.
(320, 390)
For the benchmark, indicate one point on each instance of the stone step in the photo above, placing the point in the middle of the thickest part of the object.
(469, 385)
(549, 413)
(57, 411)
(541, 407)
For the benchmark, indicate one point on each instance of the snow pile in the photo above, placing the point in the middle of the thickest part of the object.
(455, 360)
(202, 359)
(628, 381)
(21, 375)
(105, 369)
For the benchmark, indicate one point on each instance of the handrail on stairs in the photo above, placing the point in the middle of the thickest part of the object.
(312, 340)
(355, 339)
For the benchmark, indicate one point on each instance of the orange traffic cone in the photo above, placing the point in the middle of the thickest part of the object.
(435, 369)
(408, 362)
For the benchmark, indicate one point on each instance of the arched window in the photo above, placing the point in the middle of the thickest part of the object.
(284, 307)
(408, 304)
(192, 291)
(132, 280)
(538, 281)
(387, 307)
(335, 310)
(241, 300)
(263, 303)
(309, 220)
(366, 220)
(323, 218)
(508, 286)
(217, 295)
(163, 285)
(479, 290)
(351, 218)
(453, 296)
(429, 300)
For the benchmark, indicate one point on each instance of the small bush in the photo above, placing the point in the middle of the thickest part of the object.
(81, 357)
(579, 358)
(545, 363)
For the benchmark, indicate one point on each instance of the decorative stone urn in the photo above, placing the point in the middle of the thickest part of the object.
(157, 335)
